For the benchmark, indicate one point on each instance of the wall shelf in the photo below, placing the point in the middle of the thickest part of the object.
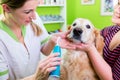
(61, 5)
(48, 9)
(52, 22)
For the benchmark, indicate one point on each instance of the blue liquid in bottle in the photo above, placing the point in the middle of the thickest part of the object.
(54, 75)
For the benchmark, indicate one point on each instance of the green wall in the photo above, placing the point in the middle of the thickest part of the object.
(50, 11)
(76, 10)
(0, 9)
(91, 12)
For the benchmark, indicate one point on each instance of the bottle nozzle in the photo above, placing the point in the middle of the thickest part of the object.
(58, 40)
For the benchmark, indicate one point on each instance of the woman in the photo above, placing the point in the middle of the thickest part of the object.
(22, 40)
(108, 67)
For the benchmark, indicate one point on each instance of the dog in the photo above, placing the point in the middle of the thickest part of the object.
(76, 64)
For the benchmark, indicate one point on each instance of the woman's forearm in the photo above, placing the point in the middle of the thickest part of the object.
(32, 77)
(100, 65)
(47, 48)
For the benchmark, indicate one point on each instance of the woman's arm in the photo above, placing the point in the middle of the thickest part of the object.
(100, 65)
(32, 77)
(63, 42)
(48, 46)
(45, 66)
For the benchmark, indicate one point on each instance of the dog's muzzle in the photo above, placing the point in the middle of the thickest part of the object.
(77, 33)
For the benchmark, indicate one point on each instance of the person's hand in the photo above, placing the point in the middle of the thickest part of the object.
(87, 47)
(63, 42)
(46, 66)
(116, 15)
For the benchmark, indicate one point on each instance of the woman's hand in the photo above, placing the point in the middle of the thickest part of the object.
(63, 42)
(46, 66)
(87, 47)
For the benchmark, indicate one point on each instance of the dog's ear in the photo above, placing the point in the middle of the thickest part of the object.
(69, 27)
(99, 41)
(69, 35)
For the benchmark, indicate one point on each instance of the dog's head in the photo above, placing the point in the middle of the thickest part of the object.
(83, 31)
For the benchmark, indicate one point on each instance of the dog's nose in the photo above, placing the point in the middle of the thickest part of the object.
(77, 31)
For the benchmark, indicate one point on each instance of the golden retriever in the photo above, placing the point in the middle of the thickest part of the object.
(76, 64)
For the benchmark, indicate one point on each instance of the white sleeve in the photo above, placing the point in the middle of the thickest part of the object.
(3, 68)
(4, 72)
(44, 36)
(39, 22)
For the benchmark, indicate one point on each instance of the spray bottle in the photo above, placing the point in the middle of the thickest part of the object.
(55, 75)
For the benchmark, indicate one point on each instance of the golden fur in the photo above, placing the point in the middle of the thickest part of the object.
(76, 64)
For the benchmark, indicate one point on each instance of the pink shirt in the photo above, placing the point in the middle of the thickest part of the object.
(112, 57)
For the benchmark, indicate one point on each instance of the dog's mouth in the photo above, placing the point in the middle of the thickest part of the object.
(76, 41)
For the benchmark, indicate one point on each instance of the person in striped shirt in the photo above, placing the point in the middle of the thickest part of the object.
(108, 66)
(23, 39)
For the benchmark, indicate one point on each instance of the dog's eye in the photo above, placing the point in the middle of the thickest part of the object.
(88, 26)
(74, 24)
